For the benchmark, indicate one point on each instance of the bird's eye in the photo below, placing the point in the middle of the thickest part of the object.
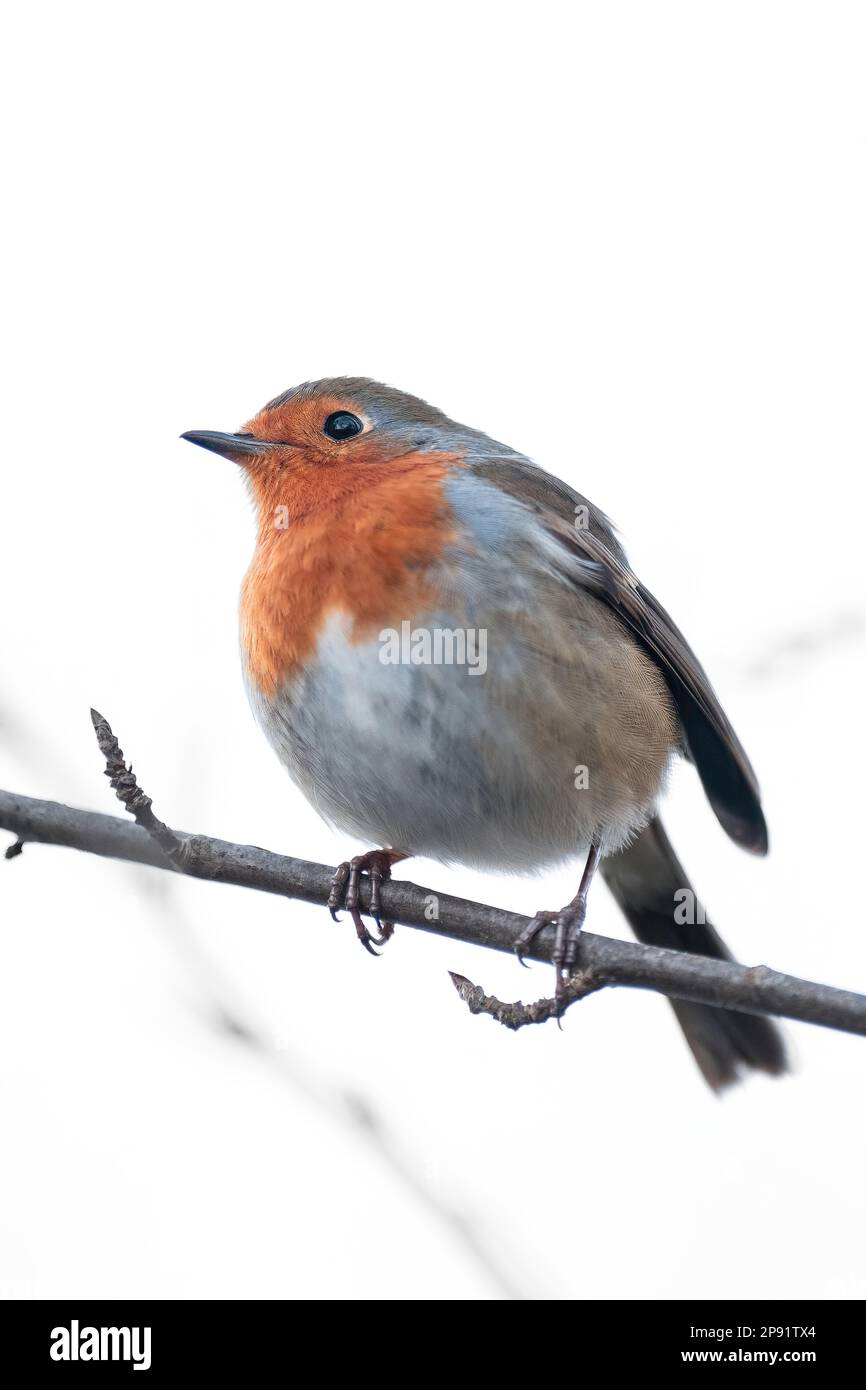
(341, 425)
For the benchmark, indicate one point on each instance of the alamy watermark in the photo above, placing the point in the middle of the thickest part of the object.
(436, 646)
(688, 911)
(77, 1343)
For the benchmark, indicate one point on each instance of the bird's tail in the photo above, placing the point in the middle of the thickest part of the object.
(651, 887)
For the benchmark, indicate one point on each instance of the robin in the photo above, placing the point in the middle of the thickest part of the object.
(449, 653)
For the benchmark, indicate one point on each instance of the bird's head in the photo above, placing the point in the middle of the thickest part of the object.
(344, 427)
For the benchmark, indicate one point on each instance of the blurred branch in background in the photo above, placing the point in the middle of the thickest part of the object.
(222, 1009)
(601, 960)
(339, 1103)
(840, 630)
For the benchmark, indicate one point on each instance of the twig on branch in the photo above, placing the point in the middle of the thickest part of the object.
(518, 1015)
(139, 805)
(601, 961)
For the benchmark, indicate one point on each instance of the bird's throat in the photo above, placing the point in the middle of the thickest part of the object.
(362, 543)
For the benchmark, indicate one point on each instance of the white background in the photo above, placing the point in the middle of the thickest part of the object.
(627, 239)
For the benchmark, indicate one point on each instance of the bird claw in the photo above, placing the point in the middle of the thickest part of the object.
(568, 922)
(346, 892)
(528, 935)
(338, 885)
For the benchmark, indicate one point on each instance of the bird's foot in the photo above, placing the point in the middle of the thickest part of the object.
(568, 922)
(345, 892)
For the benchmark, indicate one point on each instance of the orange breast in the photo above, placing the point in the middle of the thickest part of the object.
(356, 540)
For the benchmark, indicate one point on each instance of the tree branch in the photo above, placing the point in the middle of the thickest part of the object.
(601, 961)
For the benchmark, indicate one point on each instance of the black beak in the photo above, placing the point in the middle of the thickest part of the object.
(229, 445)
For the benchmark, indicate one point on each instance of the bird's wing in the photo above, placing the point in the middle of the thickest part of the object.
(597, 562)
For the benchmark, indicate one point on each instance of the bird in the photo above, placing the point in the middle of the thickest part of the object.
(451, 656)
